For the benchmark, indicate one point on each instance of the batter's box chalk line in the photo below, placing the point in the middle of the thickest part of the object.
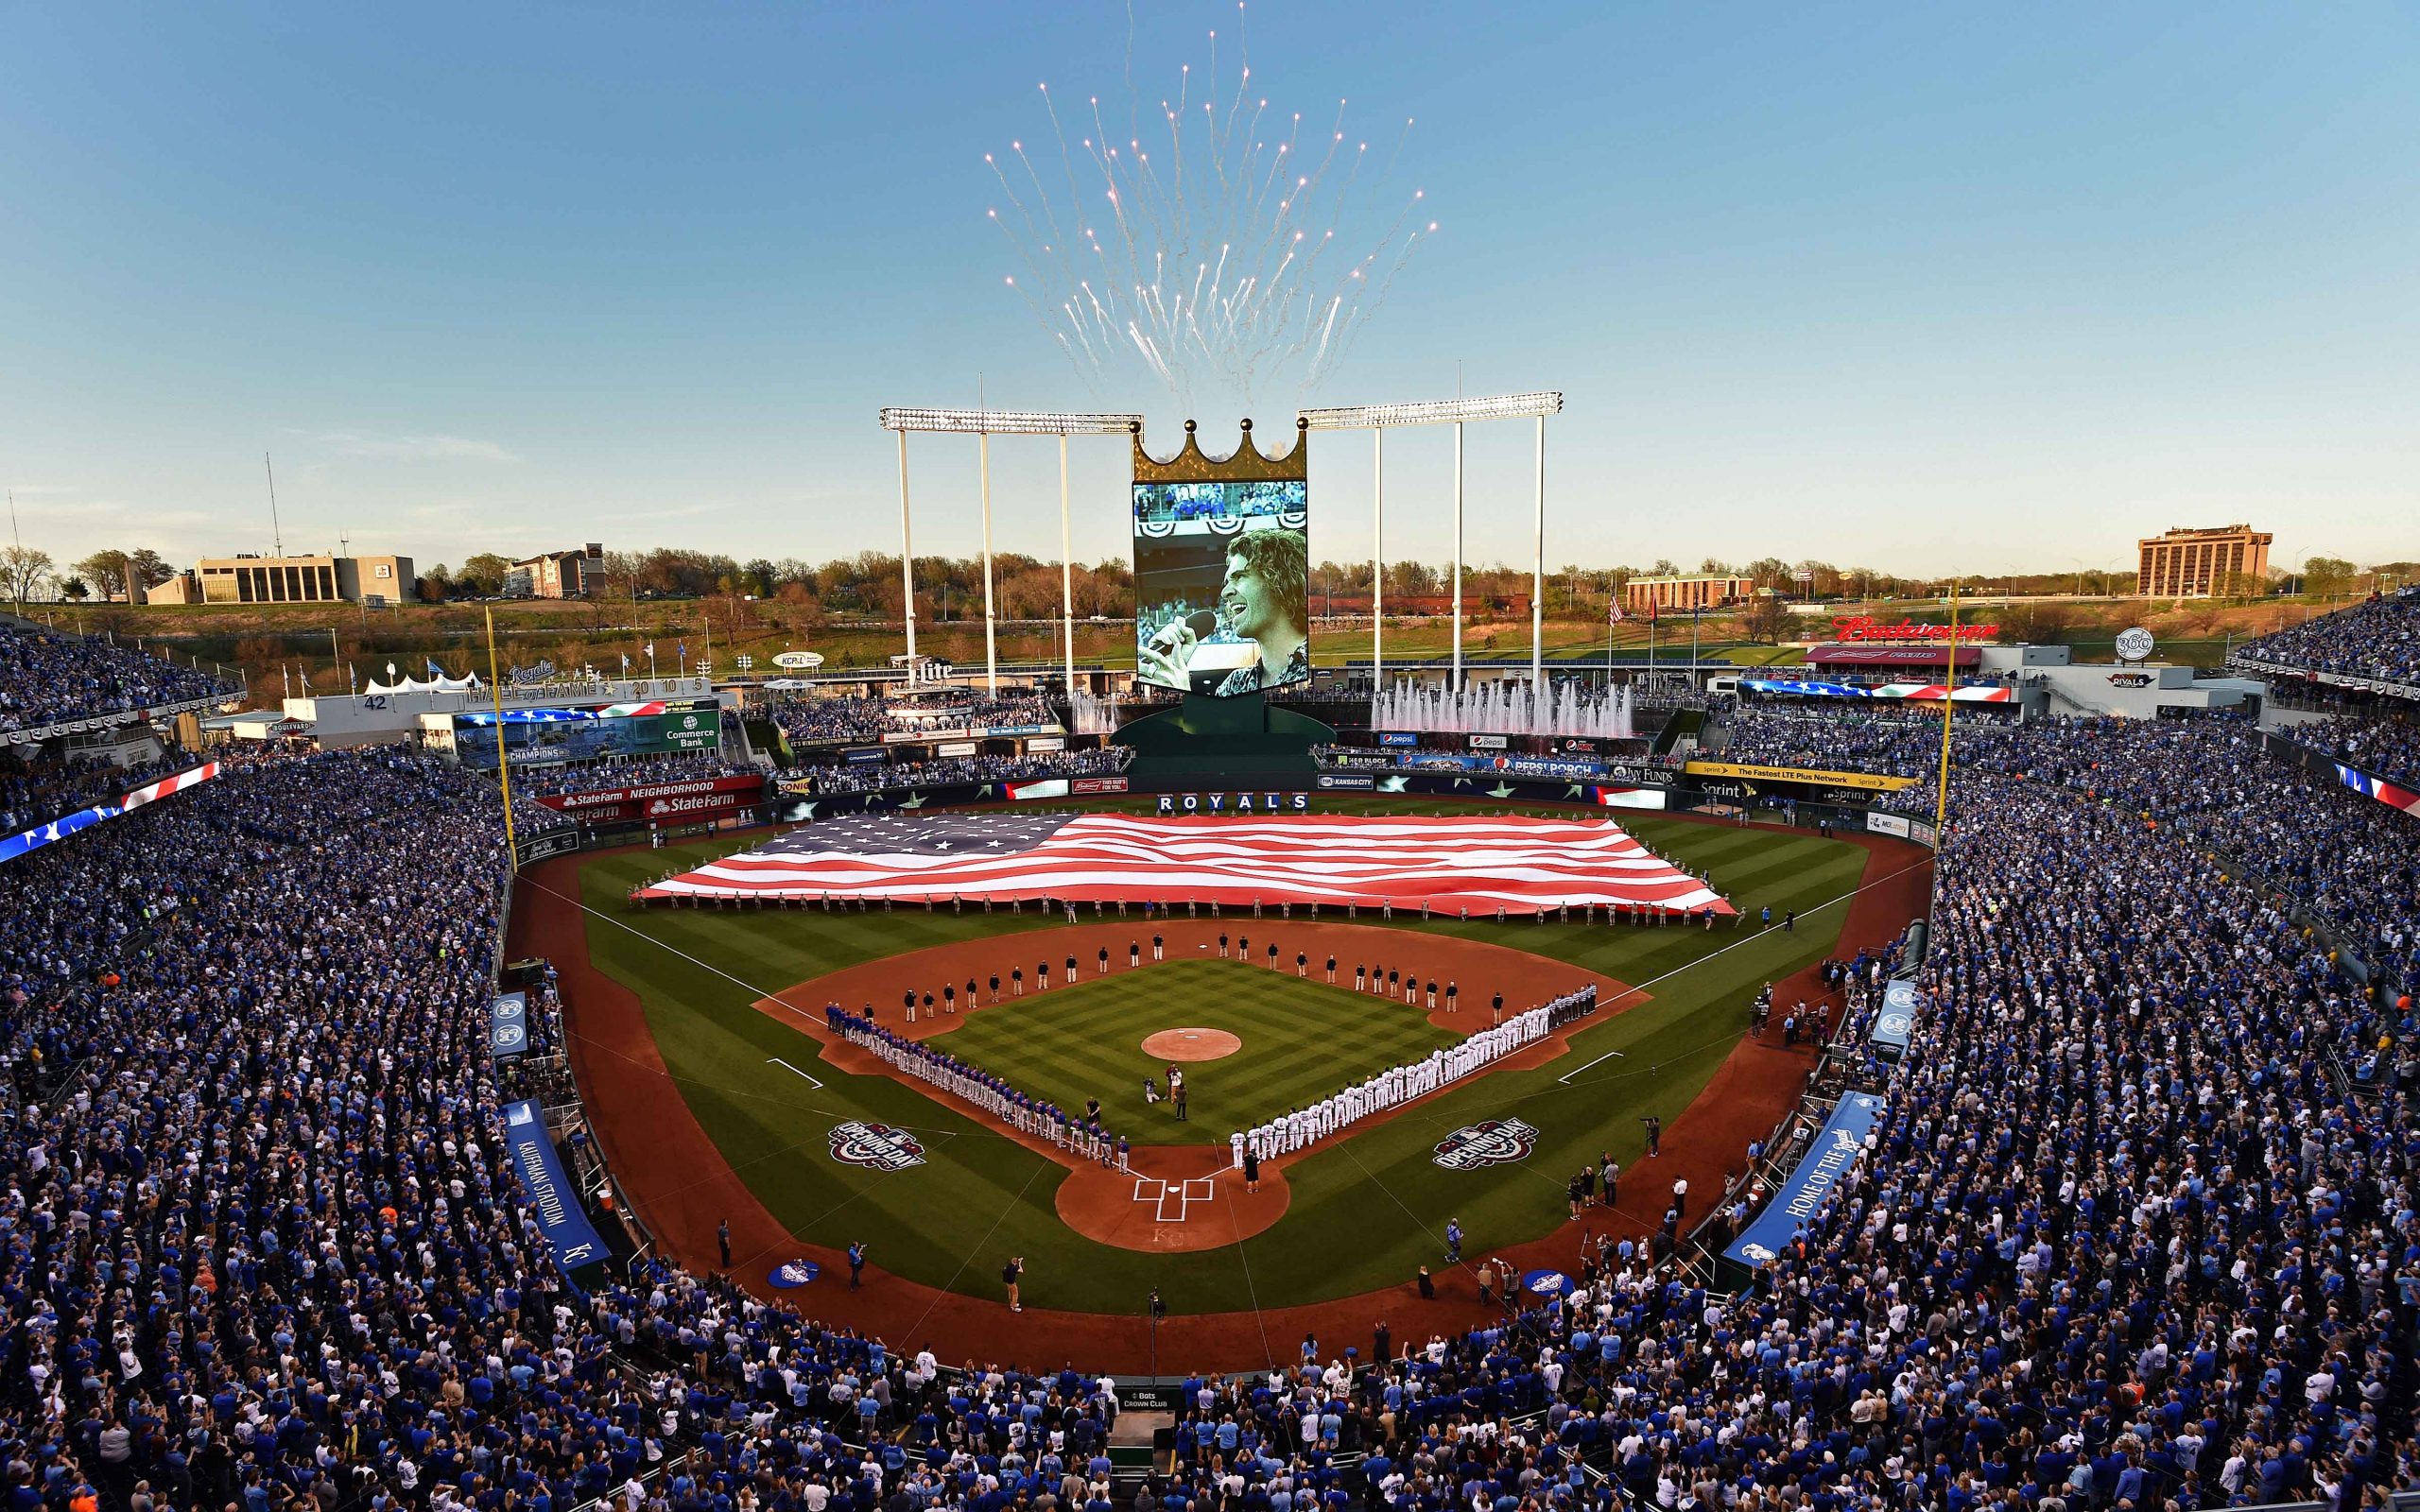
(1182, 1195)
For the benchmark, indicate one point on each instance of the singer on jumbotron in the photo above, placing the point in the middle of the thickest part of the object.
(1263, 600)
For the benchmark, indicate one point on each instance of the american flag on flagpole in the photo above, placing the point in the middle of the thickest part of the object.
(1519, 861)
(1613, 612)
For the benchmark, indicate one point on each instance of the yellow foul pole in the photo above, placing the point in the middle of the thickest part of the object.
(503, 768)
(1948, 706)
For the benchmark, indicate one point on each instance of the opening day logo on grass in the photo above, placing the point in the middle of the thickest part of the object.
(877, 1145)
(1497, 1142)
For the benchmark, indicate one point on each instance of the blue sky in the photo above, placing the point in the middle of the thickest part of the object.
(1918, 288)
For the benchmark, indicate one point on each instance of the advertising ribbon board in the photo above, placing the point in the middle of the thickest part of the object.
(548, 1191)
(1896, 1022)
(702, 797)
(1836, 1145)
(508, 1025)
(1866, 780)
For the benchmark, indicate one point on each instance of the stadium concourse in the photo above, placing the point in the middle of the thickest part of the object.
(2138, 1226)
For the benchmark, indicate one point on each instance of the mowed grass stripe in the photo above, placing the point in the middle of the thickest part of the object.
(1301, 1041)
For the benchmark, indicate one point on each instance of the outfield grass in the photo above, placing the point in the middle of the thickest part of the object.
(1365, 1211)
(1301, 1041)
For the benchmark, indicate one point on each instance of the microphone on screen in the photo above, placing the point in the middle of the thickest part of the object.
(1201, 621)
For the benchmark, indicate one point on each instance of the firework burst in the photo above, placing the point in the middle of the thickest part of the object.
(1215, 244)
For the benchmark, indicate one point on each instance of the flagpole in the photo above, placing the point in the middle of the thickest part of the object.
(503, 768)
(1948, 704)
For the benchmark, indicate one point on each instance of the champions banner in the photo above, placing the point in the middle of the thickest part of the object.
(548, 1191)
(1838, 1145)
(703, 797)
(1866, 780)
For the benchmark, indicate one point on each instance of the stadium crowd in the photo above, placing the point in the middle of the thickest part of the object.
(2382, 747)
(2122, 1241)
(853, 717)
(47, 678)
(865, 777)
(2377, 638)
(597, 777)
(36, 793)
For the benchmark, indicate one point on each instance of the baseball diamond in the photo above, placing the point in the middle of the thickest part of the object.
(723, 992)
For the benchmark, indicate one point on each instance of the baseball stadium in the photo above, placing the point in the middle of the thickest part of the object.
(1447, 1051)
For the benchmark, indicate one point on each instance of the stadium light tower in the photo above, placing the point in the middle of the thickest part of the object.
(983, 424)
(1457, 413)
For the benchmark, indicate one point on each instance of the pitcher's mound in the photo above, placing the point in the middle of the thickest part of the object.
(1191, 1044)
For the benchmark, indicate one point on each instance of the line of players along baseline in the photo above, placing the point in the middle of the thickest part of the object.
(1527, 981)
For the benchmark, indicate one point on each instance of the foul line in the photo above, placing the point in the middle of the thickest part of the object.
(777, 1061)
(654, 940)
(1892, 876)
(949, 1288)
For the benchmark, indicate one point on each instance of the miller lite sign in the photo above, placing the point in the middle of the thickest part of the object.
(1493, 1141)
(876, 1147)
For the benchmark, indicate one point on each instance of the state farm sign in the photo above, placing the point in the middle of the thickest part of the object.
(1866, 628)
(704, 796)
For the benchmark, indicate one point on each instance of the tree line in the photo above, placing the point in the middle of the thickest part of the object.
(867, 585)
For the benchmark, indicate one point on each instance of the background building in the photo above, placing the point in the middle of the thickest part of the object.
(2204, 563)
(321, 579)
(1685, 592)
(559, 574)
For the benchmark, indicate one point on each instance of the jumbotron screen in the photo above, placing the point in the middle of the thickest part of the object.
(1222, 581)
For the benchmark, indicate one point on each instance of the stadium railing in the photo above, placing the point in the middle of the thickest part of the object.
(2333, 680)
(83, 722)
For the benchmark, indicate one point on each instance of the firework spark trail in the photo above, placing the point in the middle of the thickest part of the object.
(1285, 269)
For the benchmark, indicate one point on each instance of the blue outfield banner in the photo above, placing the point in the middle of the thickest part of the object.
(549, 1191)
(508, 1025)
(1838, 1145)
(1896, 1022)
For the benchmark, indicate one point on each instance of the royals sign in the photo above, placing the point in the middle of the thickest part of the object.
(1222, 804)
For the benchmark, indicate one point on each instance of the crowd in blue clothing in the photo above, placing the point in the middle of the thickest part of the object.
(866, 777)
(2377, 638)
(2380, 746)
(37, 792)
(2123, 1239)
(47, 678)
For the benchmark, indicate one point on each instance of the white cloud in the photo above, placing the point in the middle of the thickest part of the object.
(436, 448)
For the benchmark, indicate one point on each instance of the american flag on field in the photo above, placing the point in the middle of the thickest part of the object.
(1480, 862)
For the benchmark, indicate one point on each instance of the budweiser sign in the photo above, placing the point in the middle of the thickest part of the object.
(1866, 628)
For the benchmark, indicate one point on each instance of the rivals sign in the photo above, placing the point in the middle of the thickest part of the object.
(1224, 803)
